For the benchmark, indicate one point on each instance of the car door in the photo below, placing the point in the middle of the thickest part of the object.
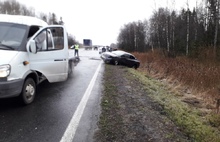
(124, 59)
(127, 60)
(51, 58)
(132, 61)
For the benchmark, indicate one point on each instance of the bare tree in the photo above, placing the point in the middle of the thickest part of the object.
(187, 33)
(43, 16)
(167, 29)
(147, 32)
(25, 11)
(156, 25)
(52, 19)
(15, 8)
(216, 24)
(213, 21)
(172, 21)
(196, 22)
(10, 7)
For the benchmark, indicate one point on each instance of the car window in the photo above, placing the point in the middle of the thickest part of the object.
(32, 31)
(132, 57)
(126, 56)
(41, 41)
(50, 39)
(123, 56)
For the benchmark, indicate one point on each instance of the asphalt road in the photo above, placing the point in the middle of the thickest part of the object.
(61, 112)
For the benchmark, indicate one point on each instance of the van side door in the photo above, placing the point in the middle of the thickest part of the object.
(51, 56)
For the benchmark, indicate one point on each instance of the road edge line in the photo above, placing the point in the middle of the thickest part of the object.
(71, 129)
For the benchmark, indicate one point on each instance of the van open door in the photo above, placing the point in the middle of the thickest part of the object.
(48, 53)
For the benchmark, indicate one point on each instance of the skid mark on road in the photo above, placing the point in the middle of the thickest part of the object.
(71, 129)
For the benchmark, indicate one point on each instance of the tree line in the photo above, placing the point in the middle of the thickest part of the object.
(184, 32)
(13, 7)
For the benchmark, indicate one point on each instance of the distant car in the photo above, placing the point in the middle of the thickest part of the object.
(95, 48)
(120, 58)
(102, 49)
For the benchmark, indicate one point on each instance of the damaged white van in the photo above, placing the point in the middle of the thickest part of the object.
(31, 51)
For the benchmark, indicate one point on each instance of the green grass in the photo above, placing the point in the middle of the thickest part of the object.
(187, 118)
(110, 121)
(199, 128)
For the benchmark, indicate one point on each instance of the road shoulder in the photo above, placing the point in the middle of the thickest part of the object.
(129, 114)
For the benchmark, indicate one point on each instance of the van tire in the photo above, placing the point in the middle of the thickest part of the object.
(70, 67)
(28, 91)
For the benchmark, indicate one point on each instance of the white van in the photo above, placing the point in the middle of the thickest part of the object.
(31, 51)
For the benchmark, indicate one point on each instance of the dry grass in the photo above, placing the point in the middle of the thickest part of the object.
(196, 78)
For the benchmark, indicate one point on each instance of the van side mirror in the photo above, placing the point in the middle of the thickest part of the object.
(32, 47)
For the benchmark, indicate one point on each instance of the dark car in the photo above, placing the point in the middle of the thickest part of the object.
(120, 58)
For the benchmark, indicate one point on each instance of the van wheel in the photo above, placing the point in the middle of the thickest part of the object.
(70, 67)
(116, 62)
(29, 91)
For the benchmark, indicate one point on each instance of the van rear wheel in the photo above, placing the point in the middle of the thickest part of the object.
(70, 67)
(29, 91)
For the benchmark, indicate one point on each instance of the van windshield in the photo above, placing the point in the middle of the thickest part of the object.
(11, 35)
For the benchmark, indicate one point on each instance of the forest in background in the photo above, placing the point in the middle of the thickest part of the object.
(176, 33)
(181, 47)
(13, 7)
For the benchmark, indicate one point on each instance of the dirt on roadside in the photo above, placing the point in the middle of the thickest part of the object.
(129, 115)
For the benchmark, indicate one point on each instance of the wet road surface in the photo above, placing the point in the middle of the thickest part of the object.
(48, 117)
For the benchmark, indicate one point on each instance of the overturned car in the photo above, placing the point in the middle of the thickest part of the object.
(120, 58)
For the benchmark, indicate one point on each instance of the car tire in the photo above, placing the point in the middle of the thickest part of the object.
(134, 66)
(28, 91)
(116, 62)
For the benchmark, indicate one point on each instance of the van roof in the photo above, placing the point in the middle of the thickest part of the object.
(19, 19)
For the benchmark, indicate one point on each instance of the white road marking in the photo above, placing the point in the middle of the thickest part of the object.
(71, 129)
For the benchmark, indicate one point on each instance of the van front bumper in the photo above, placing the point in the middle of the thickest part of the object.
(11, 88)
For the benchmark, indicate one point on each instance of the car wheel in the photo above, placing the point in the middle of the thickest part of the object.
(116, 62)
(28, 91)
(134, 66)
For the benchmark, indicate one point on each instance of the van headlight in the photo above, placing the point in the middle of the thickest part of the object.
(5, 70)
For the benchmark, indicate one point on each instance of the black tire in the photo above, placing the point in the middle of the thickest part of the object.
(70, 67)
(134, 66)
(28, 91)
(116, 62)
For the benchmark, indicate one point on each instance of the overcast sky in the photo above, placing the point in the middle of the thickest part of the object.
(99, 20)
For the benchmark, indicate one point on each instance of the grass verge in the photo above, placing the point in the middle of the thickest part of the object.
(196, 126)
(109, 121)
